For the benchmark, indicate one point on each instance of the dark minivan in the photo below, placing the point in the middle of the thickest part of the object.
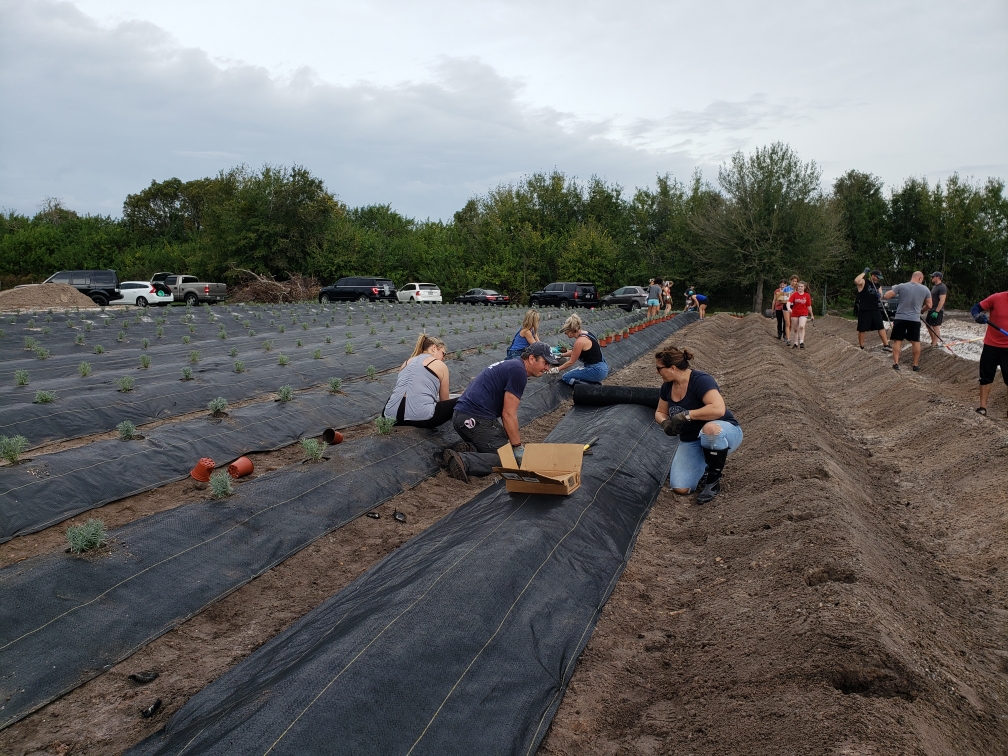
(101, 285)
(566, 294)
(359, 288)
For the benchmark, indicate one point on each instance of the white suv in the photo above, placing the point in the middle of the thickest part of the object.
(419, 292)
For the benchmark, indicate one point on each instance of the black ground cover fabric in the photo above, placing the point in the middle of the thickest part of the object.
(57, 486)
(462, 641)
(94, 405)
(604, 396)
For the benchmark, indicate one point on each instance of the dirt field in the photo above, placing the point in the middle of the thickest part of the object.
(845, 595)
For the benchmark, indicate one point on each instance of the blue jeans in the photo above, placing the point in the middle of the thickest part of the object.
(688, 464)
(514, 354)
(587, 374)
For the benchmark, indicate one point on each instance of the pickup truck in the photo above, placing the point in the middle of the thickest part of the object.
(190, 289)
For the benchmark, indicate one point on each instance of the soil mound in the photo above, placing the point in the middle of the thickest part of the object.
(42, 297)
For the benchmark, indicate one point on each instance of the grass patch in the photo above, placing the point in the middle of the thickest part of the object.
(12, 447)
(87, 537)
(313, 448)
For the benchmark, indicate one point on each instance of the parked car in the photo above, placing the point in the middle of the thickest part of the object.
(145, 293)
(101, 285)
(190, 289)
(629, 298)
(566, 294)
(482, 297)
(420, 292)
(889, 305)
(359, 288)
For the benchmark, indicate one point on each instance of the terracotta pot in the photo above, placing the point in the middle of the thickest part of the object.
(202, 470)
(240, 467)
(618, 337)
(332, 436)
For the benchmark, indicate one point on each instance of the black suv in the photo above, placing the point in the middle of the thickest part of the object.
(101, 285)
(360, 288)
(577, 294)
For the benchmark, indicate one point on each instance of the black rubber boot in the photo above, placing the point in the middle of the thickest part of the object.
(712, 478)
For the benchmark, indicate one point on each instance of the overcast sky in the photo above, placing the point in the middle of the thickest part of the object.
(423, 105)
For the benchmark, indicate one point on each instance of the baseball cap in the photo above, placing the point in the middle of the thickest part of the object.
(877, 273)
(540, 349)
(937, 273)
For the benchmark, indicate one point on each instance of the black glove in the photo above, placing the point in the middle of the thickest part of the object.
(674, 424)
(867, 272)
(978, 314)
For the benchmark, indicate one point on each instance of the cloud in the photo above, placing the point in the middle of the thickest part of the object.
(93, 113)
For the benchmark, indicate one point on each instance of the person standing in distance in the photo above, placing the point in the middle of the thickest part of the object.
(993, 312)
(780, 298)
(800, 307)
(789, 290)
(869, 307)
(914, 296)
(654, 295)
(495, 393)
(935, 316)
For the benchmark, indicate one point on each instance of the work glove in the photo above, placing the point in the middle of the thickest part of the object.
(867, 272)
(554, 371)
(519, 452)
(674, 424)
(978, 314)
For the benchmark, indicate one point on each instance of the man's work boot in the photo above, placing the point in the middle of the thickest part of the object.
(712, 478)
(456, 467)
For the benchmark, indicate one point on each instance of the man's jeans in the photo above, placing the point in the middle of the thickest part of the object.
(487, 435)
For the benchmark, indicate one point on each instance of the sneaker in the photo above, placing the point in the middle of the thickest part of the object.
(795, 345)
(916, 368)
(862, 347)
(802, 345)
(456, 467)
(787, 343)
(886, 348)
(895, 366)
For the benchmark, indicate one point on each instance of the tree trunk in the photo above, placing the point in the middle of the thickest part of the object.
(757, 300)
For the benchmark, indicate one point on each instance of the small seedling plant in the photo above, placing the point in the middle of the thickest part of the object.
(285, 393)
(45, 397)
(283, 359)
(12, 447)
(371, 372)
(87, 537)
(221, 485)
(84, 369)
(335, 385)
(187, 374)
(127, 431)
(239, 366)
(384, 425)
(313, 449)
(125, 383)
(218, 406)
(20, 377)
(194, 356)
(144, 361)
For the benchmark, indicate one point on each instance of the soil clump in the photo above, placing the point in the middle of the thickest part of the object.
(43, 296)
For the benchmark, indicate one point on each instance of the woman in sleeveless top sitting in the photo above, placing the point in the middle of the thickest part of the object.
(527, 335)
(586, 349)
(420, 396)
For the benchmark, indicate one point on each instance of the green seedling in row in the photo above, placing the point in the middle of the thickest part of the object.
(495, 345)
(441, 332)
(479, 349)
(385, 425)
(12, 447)
(46, 329)
(391, 329)
(281, 328)
(69, 324)
(31, 323)
(222, 335)
(121, 336)
(125, 383)
(159, 332)
(247, 324)
(87, 537)
(145, 343)
(20, 377)
(185, 339)
(30, 344)
(285, 393)
(221, 485)
(317, 354)
(313, 448)
(349, 334)
(267, 346)
(327, 324)
(458, 355)
(87, 326)
(194, 356)
(299, 343)
(233, 352)
(377, 345)
(373, 331)
(349, 347)
(239, 366)
(402, 341)
(45, 397)
(328, 339)
(304, 326)
(371, 372)
(335, 385)
(283, 359)
(192, 329)
(84, 369)
(218, 406)
(251, 332)
(187, 374)
(144, 361)
(127, 431)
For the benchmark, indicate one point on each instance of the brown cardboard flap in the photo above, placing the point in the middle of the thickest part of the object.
(545, 468)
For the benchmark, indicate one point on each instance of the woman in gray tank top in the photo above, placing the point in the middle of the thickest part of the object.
(420, 396)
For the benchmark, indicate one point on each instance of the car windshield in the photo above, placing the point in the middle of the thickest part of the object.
(490, 292)
(428, 287)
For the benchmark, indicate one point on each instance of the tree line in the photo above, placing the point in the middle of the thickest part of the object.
(768, 216)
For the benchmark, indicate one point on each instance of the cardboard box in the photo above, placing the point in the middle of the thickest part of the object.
(545, 468)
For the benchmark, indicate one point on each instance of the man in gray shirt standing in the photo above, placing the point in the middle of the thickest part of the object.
(914, 298)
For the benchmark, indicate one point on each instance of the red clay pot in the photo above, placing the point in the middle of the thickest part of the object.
(240, 467)
(618, 337)
(332, 436)
(202, 470)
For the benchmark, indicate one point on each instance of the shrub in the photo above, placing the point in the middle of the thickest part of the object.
(313, 448)
(99, 349)
(42, 354)
(217, 406)
(283, 359)
(84, 369)
(127, 431)
(45, 397)
(145, 343)
(285, 393)
(125, 383)
(349, 347)
(267, 346)
(145, 361)
(12, 447)
(371, 372)
(233, 352)
(239, 366)
(187, 374)
(194, 356)
(384, 425)
(20, 377)
(87, 537)
(335, 385)
(221, 485)
(317, 354)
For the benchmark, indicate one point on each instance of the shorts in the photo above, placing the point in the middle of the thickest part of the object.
(935, 317)
(991, 358)
(870, 320)
(653, 303)
(905, 330)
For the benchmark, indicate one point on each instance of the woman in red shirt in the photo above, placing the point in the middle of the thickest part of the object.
(800, 306)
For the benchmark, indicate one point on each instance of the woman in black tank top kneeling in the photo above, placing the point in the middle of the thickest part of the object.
(586, 349)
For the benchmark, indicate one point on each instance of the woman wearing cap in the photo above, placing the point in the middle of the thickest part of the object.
(691, 407)
(420, 396)
(527, 335)
(586, 349)
(780, 298)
